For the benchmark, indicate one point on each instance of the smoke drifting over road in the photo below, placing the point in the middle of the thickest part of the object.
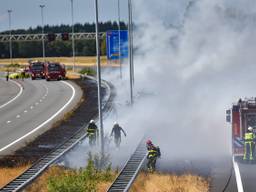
(195, 59)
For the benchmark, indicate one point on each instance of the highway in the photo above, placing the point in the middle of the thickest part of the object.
(28, 108)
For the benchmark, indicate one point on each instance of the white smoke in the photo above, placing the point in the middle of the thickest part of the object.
(193, 60)
(195, 71)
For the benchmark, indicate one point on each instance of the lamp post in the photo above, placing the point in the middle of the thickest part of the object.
(130, 50)
(132, 56)
(99, 80)
(119, 38)
(73, 38)
(42, 16)
(10, 35)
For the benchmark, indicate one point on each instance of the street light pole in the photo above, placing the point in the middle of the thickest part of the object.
(99, 79)
(131, 15)
(73, 39)
(42, 16)
(119, 39)
(130, 51)
(10, 34)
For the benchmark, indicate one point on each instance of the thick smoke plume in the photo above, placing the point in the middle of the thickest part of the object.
(193, 60)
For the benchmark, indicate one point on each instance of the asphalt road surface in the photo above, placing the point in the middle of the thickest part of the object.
(10, 90)
(30, 107)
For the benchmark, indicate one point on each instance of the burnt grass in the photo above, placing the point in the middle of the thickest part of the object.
(61, 130)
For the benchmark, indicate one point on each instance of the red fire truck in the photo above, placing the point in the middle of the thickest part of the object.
(36, 69)
(241, 116)
(55, 71)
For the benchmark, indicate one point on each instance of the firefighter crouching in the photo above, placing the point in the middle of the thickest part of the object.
(249, 145)
(92, 133)
(153, 154)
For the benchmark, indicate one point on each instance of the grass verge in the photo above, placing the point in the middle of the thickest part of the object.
(79, 61)
(7, 174)
(58, 178)
(164, 182)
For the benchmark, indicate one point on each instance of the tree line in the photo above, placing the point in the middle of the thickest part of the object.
(58, 48)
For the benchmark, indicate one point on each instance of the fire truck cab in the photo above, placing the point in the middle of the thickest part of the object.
(55, 71)
(241, 116)
(36, 69)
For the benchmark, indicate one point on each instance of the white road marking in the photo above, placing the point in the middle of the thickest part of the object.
(47, 121)
(20, 92)
(8, 122)
(18, 116)
(238, 176)
(25, 111)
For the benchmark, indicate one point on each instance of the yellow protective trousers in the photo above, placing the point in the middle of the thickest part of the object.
(248, 150)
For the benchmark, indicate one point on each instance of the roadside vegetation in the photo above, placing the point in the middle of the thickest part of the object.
(58, 178)
(88, 71)
(68, 61)
(7, 174)
(158, 182)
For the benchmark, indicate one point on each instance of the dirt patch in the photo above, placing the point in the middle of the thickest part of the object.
(164, 182)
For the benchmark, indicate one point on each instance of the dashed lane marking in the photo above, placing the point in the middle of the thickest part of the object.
(47, 121)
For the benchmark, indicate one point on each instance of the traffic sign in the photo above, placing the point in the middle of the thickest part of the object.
(112, 39)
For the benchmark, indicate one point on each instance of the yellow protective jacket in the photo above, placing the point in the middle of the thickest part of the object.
(249, 137)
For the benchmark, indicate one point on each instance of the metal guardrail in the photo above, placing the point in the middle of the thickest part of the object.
(38, 167)
(39, 37)
(131, 169)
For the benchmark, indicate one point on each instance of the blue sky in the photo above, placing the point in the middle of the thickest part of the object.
(26, 13)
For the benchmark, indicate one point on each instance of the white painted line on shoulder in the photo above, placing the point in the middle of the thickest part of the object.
(47, 121)
(20, 92)
(238, 176)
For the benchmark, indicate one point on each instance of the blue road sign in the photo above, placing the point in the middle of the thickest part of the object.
(113, 44)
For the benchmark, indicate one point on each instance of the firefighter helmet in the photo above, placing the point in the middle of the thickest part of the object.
(92, 121)
(250, 128)
(149, 142)
(115, 123)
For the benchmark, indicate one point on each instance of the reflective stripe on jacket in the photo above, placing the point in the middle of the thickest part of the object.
(152, 153)
(249, 137)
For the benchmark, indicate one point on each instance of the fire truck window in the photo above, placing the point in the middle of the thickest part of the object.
(37, 67)
(53, 67)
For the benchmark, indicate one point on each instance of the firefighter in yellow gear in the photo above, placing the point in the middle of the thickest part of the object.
(153, 154)
(249, 143)
(92, 132)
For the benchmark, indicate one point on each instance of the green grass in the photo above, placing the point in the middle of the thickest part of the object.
(82, 180)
